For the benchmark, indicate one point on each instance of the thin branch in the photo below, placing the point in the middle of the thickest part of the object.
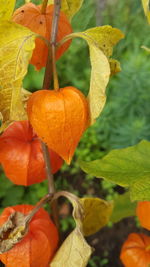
(39, 205)
(44, 6)
(50, 176)
(57, 6)
(51, 185)
(46, 85)
(48, 71)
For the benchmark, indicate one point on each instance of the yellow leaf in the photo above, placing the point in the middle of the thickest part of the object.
(16, 45)
(100, 73)
(106, 37)
(74, 252)
(69, 7)
(6, 9)
(97, 213)
(114, 66)
(101, 41)
(146, 7)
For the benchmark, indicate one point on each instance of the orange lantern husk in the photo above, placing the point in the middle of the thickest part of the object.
(21, 155)
(38, 246)
(30, 16)
(59, 118)
(143, 211)
(135, 251)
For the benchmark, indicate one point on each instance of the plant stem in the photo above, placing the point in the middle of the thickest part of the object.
(50, 176)
(48, 71)
(44, 5)
(39, 205)
(51, 185)
(57, 6)
(46, 85)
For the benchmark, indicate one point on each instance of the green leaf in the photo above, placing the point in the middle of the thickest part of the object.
(17, 193)
(97, 213)
(15, 51)
(6, 9)
(140, 190)
(123, 208)
(128, 167)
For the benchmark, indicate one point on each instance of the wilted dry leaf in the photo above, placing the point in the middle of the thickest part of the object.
(6, 9)
(97, 213)
(15, 51)
(78, 212)
(69, 7)
(146, 7)
(74, 252)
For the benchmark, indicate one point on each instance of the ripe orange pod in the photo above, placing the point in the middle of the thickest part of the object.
(21, 155)
(30, 16)
(59, 118)
(143, 211)
(38, 246)
(135, 251)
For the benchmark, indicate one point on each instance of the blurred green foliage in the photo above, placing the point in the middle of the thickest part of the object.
(125, 119)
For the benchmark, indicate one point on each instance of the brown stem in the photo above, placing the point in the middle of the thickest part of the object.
(57, 6)
(50, 176)
(44, 6)
(39, 205)
(46, 85)
(48, 71)
(51, 185)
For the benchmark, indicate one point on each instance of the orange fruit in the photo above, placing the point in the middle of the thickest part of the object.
(135, 251)
(143, 211)
(30, 16)
(21, 155)
(59, 118)
(38, 246)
